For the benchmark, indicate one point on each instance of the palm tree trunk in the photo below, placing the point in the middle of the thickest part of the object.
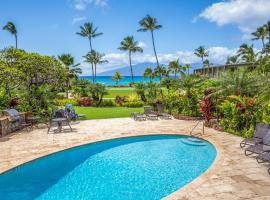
(90, 43)
(153, 41)
(131, 70)
(67, 87)
(263, 43)
(93, 73)
(16, 40)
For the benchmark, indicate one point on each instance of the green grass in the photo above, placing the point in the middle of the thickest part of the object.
(123, 91)
(106, 113)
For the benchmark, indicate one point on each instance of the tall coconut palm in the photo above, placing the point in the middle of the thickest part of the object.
(94, 58)
(72, 70)
(201, 53)
(10, 27)
(130, 45)
(260, 34)
(267, 27)
(89, 31)
(149, 23)
(246, 53)
(149, 73)
(175, 67)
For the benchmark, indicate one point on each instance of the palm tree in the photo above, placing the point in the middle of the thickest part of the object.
(89, 31)
(160, 71)
(149, 73)
(201, 53)
(149, 23)
(10, 27)
(186, 67)
(72, 70)
(128, 44)
(238, 82)
(246, 53)
(260, 34)
(232, 60)
(117, 77)
(94, 58)
(189, 82)
(175, 67)
(267, 27)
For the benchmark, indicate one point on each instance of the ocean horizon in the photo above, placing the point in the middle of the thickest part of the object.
(107, 80)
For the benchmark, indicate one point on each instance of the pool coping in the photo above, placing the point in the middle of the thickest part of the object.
(230, 176)
(195, 182)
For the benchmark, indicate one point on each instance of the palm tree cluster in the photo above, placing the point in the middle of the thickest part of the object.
(89, 31)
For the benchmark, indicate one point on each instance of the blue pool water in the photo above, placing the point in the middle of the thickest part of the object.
(144, 167)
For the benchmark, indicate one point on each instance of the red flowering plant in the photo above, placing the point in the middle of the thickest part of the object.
(207, 106)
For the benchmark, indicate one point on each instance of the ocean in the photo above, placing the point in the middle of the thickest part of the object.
(107, 80)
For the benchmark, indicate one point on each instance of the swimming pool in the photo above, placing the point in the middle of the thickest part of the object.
(142, 167)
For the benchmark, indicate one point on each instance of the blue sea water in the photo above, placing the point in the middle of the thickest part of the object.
(144, 167)
(107, 80)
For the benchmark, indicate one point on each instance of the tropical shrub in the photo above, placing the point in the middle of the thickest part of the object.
(85, 101)
(178, 103)
(97, 92)
(239, 115)
(207, 106)
(107, 103)
(63, 102)
(120, 100)
(134, 104)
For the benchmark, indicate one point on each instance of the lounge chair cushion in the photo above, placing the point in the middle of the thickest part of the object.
(257, 149)
(13, 114)
(266, 138)
(264, 156)
(261, 130)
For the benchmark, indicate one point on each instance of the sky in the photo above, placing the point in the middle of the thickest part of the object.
(49, 27)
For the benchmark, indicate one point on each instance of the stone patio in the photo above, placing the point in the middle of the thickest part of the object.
(232, 176)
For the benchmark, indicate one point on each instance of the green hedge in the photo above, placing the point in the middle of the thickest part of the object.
(63, 102)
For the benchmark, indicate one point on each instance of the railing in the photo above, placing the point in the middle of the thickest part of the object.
(217, 70)
(196, 125)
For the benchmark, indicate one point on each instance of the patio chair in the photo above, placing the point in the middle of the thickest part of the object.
(163, 115)
(16, 119)
(264, 157)
(260, 131)
(70, 111)
(149, 113)
(259, 148)
(60, 118)
(138, 117)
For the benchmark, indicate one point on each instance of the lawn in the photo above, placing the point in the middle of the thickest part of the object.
(123, 91)
(106, 112)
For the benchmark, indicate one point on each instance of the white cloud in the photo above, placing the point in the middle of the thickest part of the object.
(81, 5)
(78, 19)
(246, 14)
(217, 55)
(142, 44)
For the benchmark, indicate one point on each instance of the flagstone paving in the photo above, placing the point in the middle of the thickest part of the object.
(232, 176)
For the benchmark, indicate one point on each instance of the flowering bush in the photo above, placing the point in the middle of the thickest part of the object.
(206, 106)
(239, 115)
(85, 101)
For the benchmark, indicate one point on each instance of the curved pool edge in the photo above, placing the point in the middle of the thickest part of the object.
(214, 167)
(197, 181)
